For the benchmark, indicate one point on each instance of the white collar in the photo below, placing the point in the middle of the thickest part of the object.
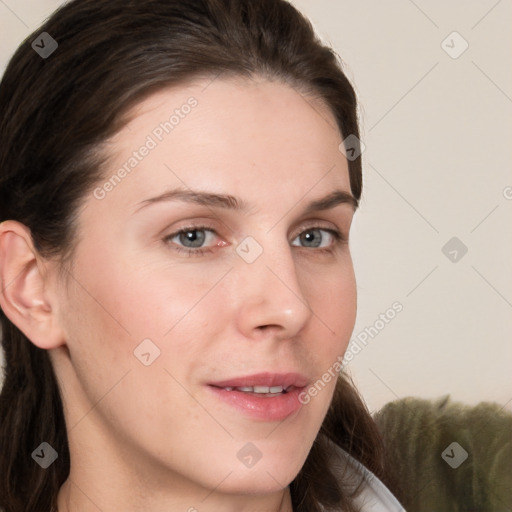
(375, 496)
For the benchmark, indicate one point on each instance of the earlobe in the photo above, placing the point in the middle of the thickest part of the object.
(23, 287)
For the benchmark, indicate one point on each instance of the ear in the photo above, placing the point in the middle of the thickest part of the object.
(24, 287)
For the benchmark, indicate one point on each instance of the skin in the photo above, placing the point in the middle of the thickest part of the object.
(155, 438)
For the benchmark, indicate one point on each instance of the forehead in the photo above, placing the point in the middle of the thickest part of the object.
(254, 139)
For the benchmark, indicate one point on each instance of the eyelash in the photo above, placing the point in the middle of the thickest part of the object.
(339, 239)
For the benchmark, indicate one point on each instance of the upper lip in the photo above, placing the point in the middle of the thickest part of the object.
(264, 379)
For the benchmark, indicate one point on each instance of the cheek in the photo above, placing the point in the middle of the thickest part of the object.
(110, 313)
(130, 309)
(332, 295)
(137, 299)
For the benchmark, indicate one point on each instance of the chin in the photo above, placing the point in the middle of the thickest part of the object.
(267, 479)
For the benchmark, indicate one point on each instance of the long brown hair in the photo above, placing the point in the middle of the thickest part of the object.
(55, 113)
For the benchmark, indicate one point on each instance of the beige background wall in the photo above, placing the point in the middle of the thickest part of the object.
(437, 126)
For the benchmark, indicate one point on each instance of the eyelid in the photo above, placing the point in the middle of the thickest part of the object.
(315, 224)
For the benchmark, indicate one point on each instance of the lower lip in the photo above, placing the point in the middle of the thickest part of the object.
(263, 408)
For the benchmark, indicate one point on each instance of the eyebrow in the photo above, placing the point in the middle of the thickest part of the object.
(232, 203)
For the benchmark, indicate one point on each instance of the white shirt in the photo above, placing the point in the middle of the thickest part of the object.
(375, 496)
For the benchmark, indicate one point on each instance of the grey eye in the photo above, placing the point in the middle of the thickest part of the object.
(314, 238)
(192, 237)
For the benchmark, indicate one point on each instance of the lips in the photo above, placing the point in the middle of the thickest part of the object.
(265, 379)
(262, 396)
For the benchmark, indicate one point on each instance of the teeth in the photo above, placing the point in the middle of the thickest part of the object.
(258, 389)
(261, 389)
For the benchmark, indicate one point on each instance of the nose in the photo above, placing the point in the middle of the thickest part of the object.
(270, 300)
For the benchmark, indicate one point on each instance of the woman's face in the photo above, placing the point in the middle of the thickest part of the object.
(157, 323)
